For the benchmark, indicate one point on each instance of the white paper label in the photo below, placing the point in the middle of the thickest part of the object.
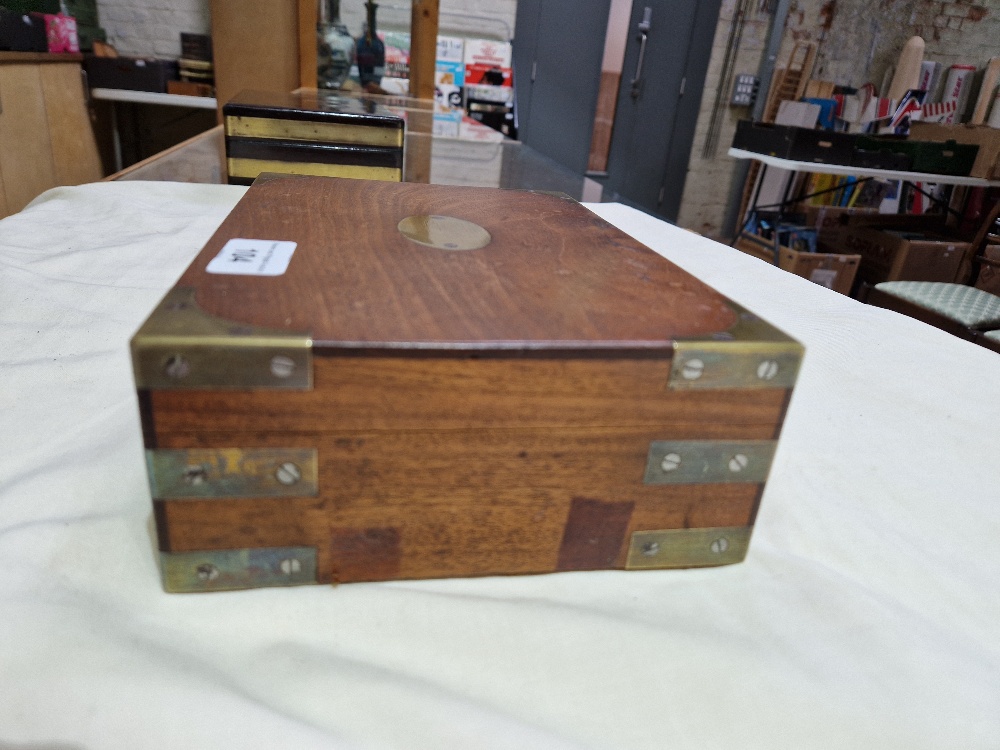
(253, 257)
(824, 277)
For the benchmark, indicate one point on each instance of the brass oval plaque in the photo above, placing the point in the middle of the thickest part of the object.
(444, 232)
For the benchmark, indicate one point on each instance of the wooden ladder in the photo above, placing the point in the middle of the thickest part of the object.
(787, 83)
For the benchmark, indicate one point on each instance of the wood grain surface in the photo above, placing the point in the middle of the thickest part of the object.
(462, 502)
(417, 393)
(255, 50)
(474, 412)
(74, 148)
(553, 276)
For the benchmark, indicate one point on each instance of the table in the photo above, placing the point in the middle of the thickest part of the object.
(144, 97)
(841, 169)
(865, 614)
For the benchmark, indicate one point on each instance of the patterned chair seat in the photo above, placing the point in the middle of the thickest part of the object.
(971, 307)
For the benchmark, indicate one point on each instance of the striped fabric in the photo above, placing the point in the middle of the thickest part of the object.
(967, 305)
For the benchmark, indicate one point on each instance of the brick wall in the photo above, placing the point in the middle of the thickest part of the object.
(152, 27)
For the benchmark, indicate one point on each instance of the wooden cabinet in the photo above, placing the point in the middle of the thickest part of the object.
(46, 138)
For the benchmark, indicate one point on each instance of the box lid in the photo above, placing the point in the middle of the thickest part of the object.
(409, 265)
(336, 266)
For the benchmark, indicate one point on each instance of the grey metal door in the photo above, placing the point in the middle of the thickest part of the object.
(658, 102)
(558, 45)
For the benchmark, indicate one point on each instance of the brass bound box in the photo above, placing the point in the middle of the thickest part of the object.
(311, 133)
(363, 381)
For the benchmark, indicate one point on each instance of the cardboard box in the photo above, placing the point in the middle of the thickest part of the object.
(835, 271)
(898, 256)
(987, 164)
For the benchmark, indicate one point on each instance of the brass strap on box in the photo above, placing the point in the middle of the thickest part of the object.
(688, 548)
(206, 473)
(181, 346)
(751, 354)
(708, 461)
(223, 570)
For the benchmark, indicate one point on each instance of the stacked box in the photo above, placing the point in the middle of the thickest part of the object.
(307, 133)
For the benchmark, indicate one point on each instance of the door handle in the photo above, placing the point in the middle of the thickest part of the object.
(644, 26)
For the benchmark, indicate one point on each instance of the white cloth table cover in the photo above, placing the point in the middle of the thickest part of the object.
(866, 615)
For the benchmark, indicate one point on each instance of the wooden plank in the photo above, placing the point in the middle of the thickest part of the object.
(74, 147)
(38, 57)
(25, 146)
(986, 91)
(254, 50)
(423, 47)
(308, 12)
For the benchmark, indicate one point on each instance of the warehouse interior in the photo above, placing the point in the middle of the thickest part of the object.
(499, 374)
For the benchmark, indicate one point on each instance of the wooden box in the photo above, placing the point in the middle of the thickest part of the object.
(447, 381)
(307, 133)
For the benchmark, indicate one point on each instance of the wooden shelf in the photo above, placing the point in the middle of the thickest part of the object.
(39, 57)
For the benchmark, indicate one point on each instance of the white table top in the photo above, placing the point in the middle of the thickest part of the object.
(865, 615)
(889, 174)
(152, 97)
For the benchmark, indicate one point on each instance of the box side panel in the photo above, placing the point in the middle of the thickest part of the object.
(435, 467)
(460, 503)
(408, 393)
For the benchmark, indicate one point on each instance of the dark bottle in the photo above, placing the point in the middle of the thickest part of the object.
(370, 53)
